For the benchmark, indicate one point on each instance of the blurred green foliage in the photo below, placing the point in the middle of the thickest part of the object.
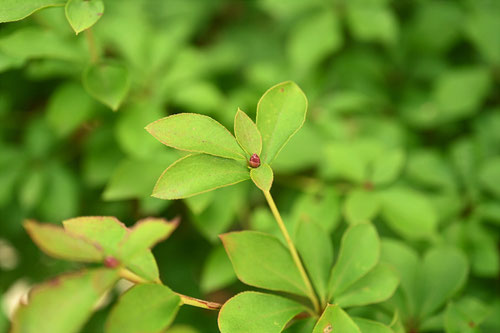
(403, 129)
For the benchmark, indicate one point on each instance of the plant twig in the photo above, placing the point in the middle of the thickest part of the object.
(94, 55)
(293, 251)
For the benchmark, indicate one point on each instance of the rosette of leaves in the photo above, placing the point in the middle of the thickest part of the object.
(299, 269)
(64, 304)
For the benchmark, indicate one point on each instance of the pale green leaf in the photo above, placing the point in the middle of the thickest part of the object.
(376, 286)
(82, 14)
(252, 312)
(144, 308)
(281, 112)
(13, 10)
(247, 134)
(196, 133)
(261, 260)
(361, 206)
(144, 265)
(262, 177)
(334, 319)
(108, 83)
(408, 212)
(316, 251)
(64, 304)
(145, 234)
(387, 166)
(199, 173)
(58, 243)
(359, 253)
(370, 326)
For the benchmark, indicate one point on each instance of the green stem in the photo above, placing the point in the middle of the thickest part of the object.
(94, 55)
(293, 251)
(188, 300)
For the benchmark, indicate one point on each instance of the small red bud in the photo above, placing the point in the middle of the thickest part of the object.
(254, 161)
(111, 262)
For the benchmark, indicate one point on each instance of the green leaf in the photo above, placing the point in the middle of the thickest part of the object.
(408, 212)
(372, 22)
(144, 308)
(489, 176)
(313, 38)
(58, 243)
(321, 208)
(217, 271)
(281, 112)
(316, 251)
(196, 133)
(49, 308)
(443, 272)
(82, 14)
(106, 231)
(108, 83)
(370, 326)
(199, 173)
(262, 177)
(144, 265)
(261, 260)
(361, 206)
(359, 253)
(14, 10)
(62, 120)
(334, 319)
(251, 312)
(376, 286)
(387, 166)
(465, 315)
(247, 134)
(344, 161)
(145, 234)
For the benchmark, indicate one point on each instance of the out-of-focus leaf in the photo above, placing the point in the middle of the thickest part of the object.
(262, 177)
(335, 319)
(281, 112)
(489, 176)
(372, 22)
(408, 212)
(387, 166)
(196, 133)
(250, 312)
(108, 83)
(247, 134)
(57, 243)
(217, 271)
(67, 301)
(82, 14)
(359, 253)
(144, 308)
(361, 206)
(370, 326)
(465, 315)
(199, 173)
(14, 10)
(321, 208)
(262, 261)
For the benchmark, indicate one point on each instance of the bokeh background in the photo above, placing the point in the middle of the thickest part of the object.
(403, 128)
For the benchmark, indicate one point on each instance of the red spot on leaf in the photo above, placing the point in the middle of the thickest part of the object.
(254, 161)
(111, 262)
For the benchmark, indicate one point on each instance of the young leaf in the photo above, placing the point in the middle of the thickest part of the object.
(82, 14)
(64, 304)
(108, 83)
(59, 244)
(145, 234)
(443, 272)
(196, 133)
(316, 251)
(370, 326)
(281, 112)
(262, 177)
(199, 173)
(359, 253)
(360, 206)
(376, 286)
(106, 231)
(251, 312)
(247, 134)
(144, 308)
(261, 260)
(14, 10)
(334, 319)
